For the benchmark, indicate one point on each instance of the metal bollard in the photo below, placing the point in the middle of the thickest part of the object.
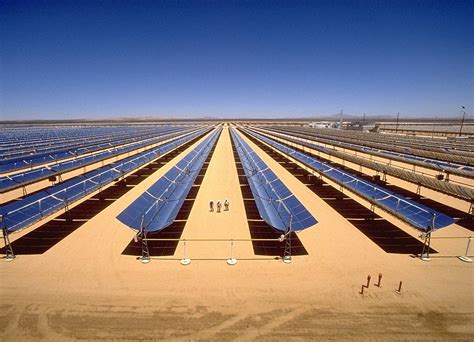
(464, 257)
(185, 261)
(231, 260)
(379, 281)
(399, 288)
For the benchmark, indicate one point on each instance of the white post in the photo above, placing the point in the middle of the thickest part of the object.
(464, 257)
(185, 261)
(231, 260)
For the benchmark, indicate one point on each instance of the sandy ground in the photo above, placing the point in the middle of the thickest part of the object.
(85, 289)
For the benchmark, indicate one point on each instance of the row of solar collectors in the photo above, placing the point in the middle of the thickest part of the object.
(74, 151)
(32, 136)
(428, 143)
(382, 141)
(450, 188)
(18, 148)
(417, 215)
(14, 181)
(396, 143)
(21, 213)
(75, 145)
(456, 163)
(276, 204)
(159, 205)
(60, 136)
(453, 168)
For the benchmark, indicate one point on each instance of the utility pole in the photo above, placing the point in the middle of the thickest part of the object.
(398, 117)
(462, 120)
(340, 119)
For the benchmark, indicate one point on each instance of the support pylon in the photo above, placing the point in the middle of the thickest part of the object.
(9, 255)
(287, 252)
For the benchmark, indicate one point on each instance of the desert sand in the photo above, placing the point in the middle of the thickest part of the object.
(84, 288)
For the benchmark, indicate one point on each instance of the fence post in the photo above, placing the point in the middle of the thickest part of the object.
(185, 261)
(231, 260)
(465, 257)
(399, 288)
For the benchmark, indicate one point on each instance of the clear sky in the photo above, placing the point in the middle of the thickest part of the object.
(98, 59)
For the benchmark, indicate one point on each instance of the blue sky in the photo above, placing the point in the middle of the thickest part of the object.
(235, 59)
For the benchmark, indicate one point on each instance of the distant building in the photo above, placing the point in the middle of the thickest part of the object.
(323, 124)
(363, 126)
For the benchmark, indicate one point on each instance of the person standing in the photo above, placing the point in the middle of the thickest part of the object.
(219, 206)
(211, 205)
(226, 205)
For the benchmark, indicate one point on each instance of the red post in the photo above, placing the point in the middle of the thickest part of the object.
(379, 281)
(400, 287)
(368, 281)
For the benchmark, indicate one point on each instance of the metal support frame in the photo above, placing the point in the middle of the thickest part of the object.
(101, 195)
(287, 252)
(418, 189)
(372, 209)
(9, 254)
(446, 179)
(425, 252)
(66, 210)
(145, 258)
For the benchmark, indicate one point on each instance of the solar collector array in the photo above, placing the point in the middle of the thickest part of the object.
(19, 214)
(70, 137)
(466, 147)
(20, 179)
(381, 142)
(158, 206)
(454, 168)
(417, 215)
(276, 204)
(449, 188)
(8, 165)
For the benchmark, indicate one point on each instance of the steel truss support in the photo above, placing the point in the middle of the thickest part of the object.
(145, 258)
(418, 189)
(67, 211)
(287, 252)
(425, 252)
(9, 254)
(372, 209)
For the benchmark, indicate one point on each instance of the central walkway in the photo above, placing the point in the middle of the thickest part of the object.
(220, 182)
